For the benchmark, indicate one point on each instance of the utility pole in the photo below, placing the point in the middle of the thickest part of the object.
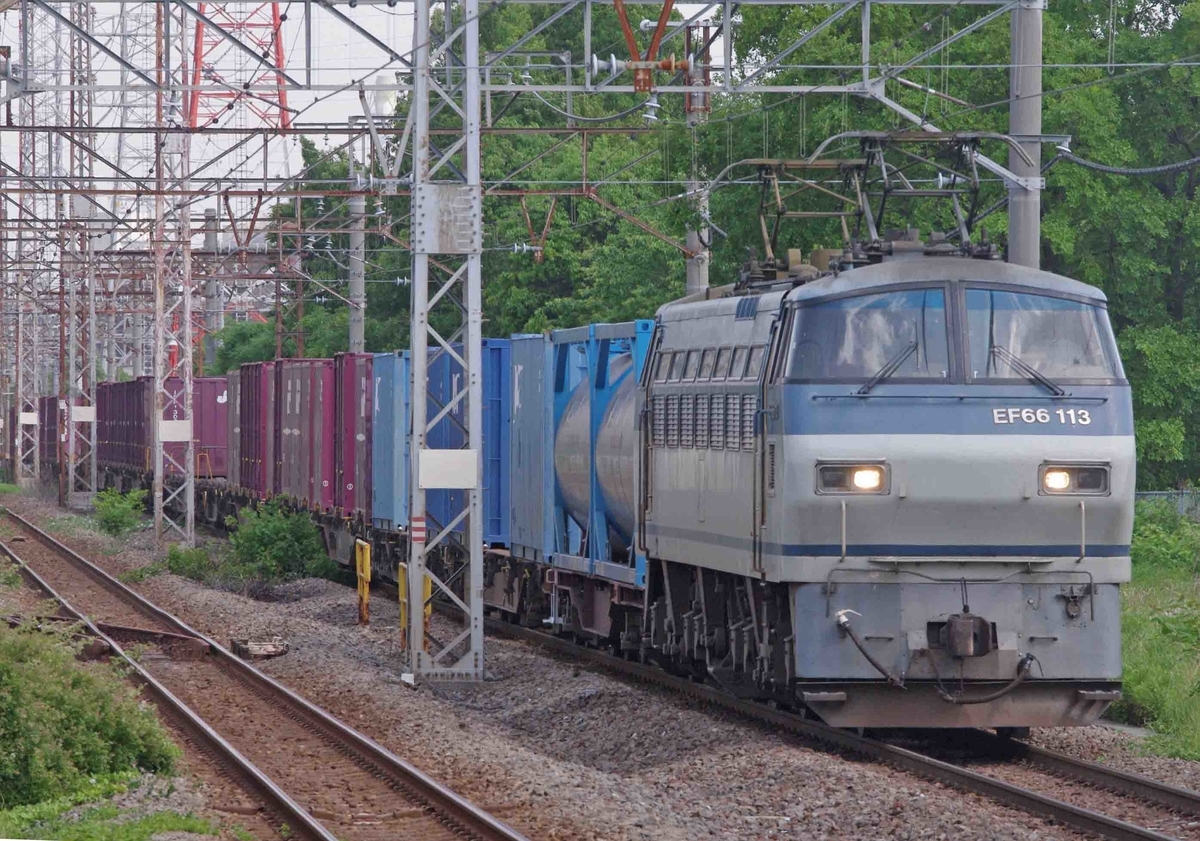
(214, 309)
(1025, 125)
(358, 280)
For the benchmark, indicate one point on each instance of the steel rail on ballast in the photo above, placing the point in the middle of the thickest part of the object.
(297, 819)
(473, 821)
(961, 778)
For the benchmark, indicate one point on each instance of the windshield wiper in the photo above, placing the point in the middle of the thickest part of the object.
(890, 367)
(1028, 370)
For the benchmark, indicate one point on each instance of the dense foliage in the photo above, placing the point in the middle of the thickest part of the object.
(271, 543)
(118, 513)
(1161, 630)
(1138, 238)
(63, 722)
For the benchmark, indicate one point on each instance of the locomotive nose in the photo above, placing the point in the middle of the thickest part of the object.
(919, 498)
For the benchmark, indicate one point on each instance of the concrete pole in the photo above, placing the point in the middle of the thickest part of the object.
(138, 329)
(697, 266)
(1025, 121)
(358, 283)
(214, 308)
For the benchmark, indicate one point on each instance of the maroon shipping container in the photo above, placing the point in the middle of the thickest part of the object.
(304, 452)
(257, 419)
(48, 417)
(210, 426)
(233, 381)
(353, 407)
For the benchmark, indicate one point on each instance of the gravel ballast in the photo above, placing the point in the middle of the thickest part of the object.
(563, 752)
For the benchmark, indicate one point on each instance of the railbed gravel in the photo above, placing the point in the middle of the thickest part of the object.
(562, 752)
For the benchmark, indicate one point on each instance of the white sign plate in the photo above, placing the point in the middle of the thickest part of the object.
(171, 431)
(457, 469)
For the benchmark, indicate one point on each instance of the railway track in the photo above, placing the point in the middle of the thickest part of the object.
(318, 776)
(1153, 807)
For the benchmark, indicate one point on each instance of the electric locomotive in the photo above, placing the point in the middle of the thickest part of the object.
(900, 495)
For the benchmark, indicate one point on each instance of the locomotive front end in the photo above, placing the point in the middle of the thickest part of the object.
(952, 498)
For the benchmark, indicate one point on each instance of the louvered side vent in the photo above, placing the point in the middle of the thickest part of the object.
(687, 405)
(702, 421)
(673, 420)
(658, 422)
(749, 410)
(733, 421)
(717, 413)
(771, 468)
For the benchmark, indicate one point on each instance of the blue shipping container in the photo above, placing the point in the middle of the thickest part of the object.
(391, 463)
(390, 457)
(531, 476)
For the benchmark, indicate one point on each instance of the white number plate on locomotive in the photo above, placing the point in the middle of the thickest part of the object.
(1035, 416)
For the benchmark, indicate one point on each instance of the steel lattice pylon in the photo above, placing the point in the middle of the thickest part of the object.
(447, 200)
(258, 26)
(171, 247)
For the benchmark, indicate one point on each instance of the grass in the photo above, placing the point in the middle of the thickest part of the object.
(60, 818)
(6, 488)
(1161, 632)
(9, 577)
(143, 573)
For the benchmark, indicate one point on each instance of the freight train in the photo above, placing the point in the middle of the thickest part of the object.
(897, 495)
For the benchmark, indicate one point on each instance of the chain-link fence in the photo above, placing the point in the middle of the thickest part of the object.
(1186, 503)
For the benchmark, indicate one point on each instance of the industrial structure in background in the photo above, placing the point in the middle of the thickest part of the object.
(146, 182)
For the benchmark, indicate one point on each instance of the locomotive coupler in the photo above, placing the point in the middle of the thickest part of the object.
(966, 635)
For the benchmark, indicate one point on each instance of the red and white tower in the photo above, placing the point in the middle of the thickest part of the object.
(258, 85)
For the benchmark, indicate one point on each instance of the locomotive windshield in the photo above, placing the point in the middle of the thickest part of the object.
(1057, 338)
(901, 334)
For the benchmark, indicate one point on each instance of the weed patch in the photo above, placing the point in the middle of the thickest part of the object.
(56, 819)
(63, 723)
(9, 577)
(118, 513)
(139, 574)
(1161, 631)
(6, 488)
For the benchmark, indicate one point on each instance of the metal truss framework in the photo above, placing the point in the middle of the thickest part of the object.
(101, 207)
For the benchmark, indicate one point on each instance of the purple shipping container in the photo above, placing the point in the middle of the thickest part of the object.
(353, 408)
(210, 427)
(257, 418)
(233, 381)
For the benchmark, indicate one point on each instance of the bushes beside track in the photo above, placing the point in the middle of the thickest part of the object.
(1161, 630)
(268, 545)
(65, 724)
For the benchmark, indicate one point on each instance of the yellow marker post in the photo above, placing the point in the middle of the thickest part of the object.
(362, 565)
(427, 595)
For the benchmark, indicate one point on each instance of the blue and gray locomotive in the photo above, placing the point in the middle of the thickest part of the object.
(900, 494)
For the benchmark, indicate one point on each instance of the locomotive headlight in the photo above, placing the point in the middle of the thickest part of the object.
(1056, 480)
(853, 478)
(1074, 479)
(867, 478)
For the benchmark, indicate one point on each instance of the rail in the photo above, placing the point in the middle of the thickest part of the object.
(474, 822)
(911, 761)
